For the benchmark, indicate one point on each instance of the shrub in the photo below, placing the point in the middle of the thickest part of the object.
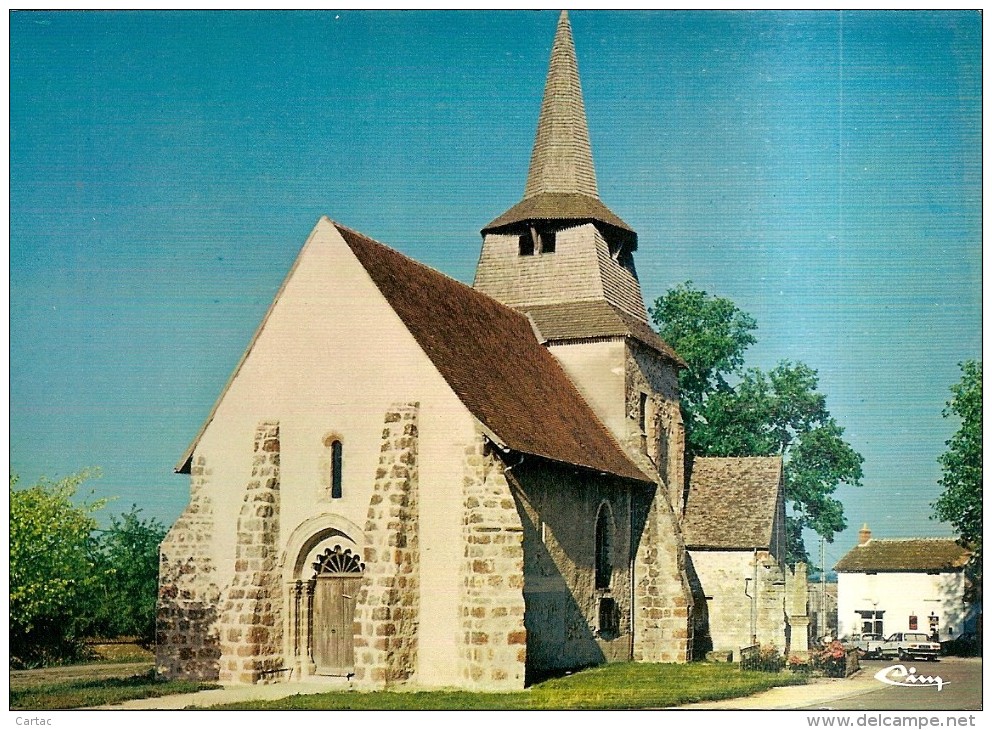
(762, 659)
(831, 659)
(70, 580)
(127, 577)
(51, 570)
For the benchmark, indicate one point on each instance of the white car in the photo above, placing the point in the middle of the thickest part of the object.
(912, 645)
(868, 645)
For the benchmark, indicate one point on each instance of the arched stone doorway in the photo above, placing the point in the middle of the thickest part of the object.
(324, 569)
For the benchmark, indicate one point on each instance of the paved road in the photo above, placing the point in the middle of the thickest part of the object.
(962, 689)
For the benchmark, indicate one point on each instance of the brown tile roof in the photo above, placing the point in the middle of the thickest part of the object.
(559, 206)
(910, 555)
(489, 356)
(732, 502)
(581, 320)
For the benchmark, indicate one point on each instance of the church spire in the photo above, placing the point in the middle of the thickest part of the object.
(561, 161)
(561, 181)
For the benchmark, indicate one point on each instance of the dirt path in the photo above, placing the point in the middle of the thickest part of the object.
(24, 678)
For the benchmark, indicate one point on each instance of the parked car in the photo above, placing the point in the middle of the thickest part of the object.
(912, 645)
(967, 644)
(868, 645)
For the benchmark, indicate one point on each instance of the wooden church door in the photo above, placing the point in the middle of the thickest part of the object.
(338, 578)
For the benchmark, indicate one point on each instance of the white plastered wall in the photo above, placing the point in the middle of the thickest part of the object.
(727, 577)
(597, 370)
(329, 360)
(901, 595)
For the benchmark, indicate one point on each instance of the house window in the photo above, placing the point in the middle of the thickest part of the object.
(536, 241)
(604, 548)
(642, 414)
(871, 622)
(336, 470)
(625, 259)
(548, 242)
(620, 251)
(526, 244)
(609, 618)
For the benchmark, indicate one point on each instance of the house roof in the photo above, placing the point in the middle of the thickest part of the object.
(909, 555)
(489, 356)
(592, 319)
(561, 180)
(732, 502)
(558, 206)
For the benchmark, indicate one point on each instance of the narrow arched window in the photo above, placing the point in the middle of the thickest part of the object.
(336, 470)
(604, 548)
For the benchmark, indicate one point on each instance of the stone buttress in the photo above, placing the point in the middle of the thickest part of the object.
(387, 613)
(187, 643)
(796, 599)
(251, 619)
(493, 640)
(662, 600)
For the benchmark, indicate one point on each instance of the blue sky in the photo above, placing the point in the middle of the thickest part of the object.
(822, 170)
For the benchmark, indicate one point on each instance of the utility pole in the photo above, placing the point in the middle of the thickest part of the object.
(821, 619)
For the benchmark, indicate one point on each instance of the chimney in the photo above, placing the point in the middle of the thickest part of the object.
(864, 534)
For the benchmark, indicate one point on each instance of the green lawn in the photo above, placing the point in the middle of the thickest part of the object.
(614, 686)
(65, 694)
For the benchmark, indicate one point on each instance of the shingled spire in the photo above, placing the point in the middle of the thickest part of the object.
(562, 158)
(560, 254)
(561, 182)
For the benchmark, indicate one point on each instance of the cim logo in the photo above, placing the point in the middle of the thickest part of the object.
(898, 676)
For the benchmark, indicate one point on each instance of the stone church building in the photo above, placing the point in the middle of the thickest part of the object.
(407, 480)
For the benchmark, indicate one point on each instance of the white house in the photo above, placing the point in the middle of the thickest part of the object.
(917, 584)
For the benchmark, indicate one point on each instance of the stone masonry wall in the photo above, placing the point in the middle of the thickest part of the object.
(387, 613)
(564, 606)
(662, 599)
(251, 620)
(739, 583)
(662, 595)
(493, 640)
(186, 644)
(796, 602)
(771, 601)
(661, 449)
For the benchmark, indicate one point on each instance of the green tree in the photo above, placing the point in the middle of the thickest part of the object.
(711, 335)
(730, 411)
(51, 569)
(127, 577)
(961, 501)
